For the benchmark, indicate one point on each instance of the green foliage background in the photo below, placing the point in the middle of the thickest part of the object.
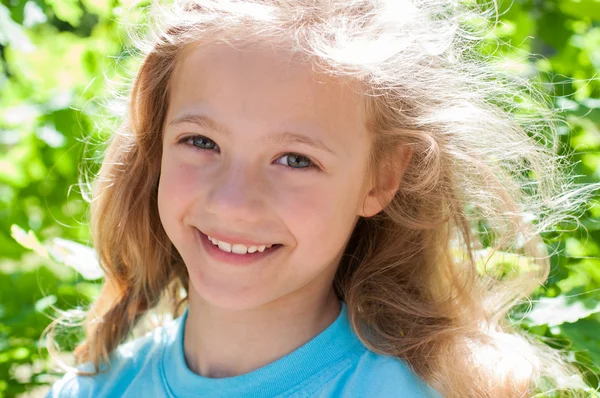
(55, 58)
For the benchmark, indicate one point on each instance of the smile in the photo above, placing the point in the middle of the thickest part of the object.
(237, 248)
(235, 253)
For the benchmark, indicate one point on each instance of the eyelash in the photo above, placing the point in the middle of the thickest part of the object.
(187, 141)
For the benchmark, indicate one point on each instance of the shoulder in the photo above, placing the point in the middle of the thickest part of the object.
(372, 374)
(132, 361)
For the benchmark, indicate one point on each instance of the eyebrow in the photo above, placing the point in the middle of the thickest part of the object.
(283, 138)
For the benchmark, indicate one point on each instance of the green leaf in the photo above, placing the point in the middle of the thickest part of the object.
(584, 335)
(581, 8)
(100, 7)
(67, 10)
(20, 353)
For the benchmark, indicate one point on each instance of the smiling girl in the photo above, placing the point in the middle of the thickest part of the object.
(312, 177)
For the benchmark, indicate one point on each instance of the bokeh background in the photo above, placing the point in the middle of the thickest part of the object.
(58, 62)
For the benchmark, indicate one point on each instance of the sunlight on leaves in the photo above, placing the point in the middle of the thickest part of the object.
(28, 240)
(562, 309)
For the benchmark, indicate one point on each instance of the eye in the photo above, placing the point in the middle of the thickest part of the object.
(200, 142)
(296, 161)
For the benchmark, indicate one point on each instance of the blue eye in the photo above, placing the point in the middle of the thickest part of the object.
(202, 142)
(291, 160)
(296, 161)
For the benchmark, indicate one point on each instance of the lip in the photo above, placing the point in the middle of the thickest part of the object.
(233, 258)
(233, 239)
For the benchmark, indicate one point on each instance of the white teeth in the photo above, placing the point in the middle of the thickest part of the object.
(225, 246)
(237, 248)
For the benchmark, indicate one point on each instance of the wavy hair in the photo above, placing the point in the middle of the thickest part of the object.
(484, 178)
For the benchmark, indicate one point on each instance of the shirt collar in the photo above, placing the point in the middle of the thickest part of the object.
(330, 346)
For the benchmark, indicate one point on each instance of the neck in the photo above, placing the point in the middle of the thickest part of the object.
(225, 343)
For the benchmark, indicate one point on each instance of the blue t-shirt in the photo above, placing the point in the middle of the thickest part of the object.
(334, 363)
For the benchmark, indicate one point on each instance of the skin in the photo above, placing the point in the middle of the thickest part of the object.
(241, 318)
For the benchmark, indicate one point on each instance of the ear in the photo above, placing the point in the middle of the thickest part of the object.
(388, 182)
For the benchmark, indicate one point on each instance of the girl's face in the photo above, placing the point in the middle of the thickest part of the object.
(260, 151)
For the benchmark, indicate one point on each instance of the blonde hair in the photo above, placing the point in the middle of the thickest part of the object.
(484, 173)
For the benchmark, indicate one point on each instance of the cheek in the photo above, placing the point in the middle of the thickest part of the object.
(325, 213)
(175, 191)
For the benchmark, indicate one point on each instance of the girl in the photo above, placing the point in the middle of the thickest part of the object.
(316, 179)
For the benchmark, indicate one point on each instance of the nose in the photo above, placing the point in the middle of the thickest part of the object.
(235, 195)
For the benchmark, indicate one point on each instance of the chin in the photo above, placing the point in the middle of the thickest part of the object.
(227, 295)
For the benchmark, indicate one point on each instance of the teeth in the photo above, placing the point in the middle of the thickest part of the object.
(225, 246)
(237, 248)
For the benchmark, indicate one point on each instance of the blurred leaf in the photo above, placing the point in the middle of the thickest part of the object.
(11, 33)
(45, 302)
(558, 310)
(67, 10)
(81, 258)
(33, 15)
(28, 240)
(100, 7)
(50, 136)
(584, 335)
(11, 174)
(581, 8)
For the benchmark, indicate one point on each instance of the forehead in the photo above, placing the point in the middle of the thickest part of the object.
(257, 83)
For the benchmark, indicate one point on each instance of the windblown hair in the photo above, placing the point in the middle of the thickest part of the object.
(484, 178)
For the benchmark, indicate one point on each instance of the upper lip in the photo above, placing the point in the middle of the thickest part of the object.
(234, 238)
